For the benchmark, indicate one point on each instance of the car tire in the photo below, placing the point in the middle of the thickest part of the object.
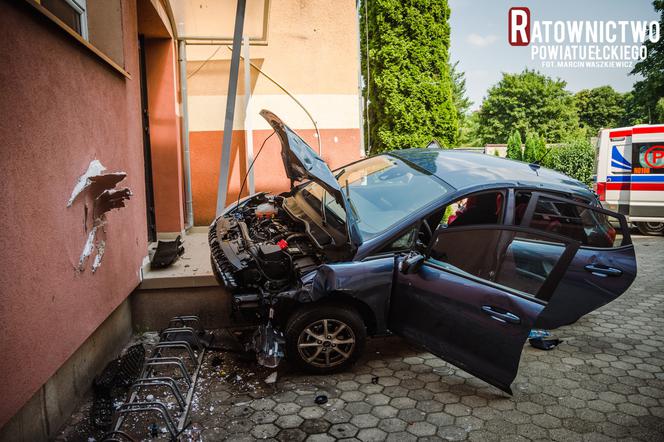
(651, 228)
(309, 348)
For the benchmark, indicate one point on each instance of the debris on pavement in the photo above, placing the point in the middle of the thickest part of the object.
(216, 361)
(544, 344)
(538, 333)
(542, 339)
(167, 252)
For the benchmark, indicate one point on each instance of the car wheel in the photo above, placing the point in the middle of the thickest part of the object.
(651, 228)
(325, 338)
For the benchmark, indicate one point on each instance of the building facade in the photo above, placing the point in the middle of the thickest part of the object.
(92, 95)
(74, 82)
(312, 52)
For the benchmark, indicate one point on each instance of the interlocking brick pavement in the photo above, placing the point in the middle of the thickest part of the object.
(604, 382)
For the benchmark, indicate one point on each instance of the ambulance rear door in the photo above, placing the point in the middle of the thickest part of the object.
(617, 188)
(647, 180)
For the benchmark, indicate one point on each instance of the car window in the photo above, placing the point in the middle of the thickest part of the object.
(475, 209)
(647, 158)
(381, 190)
(404, 242)
(527, 262)
(590, 227)
(516, 260)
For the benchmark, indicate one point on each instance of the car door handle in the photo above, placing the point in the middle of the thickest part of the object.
(500, 316)
(602, 270)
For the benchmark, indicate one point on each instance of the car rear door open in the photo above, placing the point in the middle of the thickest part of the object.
(602, 268)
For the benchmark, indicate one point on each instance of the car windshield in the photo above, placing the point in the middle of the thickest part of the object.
(382, 190)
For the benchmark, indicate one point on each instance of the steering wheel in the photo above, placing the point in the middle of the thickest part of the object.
(425, 235)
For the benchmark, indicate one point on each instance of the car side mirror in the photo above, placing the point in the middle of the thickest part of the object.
(412, 263)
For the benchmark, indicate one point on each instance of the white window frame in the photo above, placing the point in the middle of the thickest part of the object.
(80, 7)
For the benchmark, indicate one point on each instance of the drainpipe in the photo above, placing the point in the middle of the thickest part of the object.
(189, 206)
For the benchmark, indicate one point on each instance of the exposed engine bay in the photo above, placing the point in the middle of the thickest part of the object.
(261, 252)
(266, 249)
(263, 248)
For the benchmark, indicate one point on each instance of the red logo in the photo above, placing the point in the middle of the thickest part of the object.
(518, 20)
(655, 157)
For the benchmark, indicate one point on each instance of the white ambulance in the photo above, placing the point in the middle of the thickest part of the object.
(630, 174)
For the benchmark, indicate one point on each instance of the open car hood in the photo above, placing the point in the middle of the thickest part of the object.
(302, 163)
(300, 160)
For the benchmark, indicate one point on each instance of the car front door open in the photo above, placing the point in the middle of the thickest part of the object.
(477, 293)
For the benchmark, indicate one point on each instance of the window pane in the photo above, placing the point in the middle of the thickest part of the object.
(648, 158)
(483, 208)
(589, 227)
(512, 259)
(382, 190)
(472, 251)
(404, 242)
(65, 12)
(527, 262)
(520, 206)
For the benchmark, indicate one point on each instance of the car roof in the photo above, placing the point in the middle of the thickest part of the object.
(465, 170)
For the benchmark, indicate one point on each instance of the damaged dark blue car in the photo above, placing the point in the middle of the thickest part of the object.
(458, 252)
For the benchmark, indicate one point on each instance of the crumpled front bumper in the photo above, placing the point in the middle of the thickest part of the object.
(221, 266)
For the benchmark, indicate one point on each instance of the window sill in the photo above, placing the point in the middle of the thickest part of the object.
(46, 13)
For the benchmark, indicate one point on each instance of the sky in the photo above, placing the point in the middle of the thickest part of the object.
(479, 41)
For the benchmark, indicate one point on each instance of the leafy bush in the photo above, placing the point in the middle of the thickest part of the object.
(576, 159)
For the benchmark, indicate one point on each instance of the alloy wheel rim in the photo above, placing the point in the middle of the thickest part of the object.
(326, 343)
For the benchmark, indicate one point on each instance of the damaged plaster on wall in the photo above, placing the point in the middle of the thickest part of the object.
(100, 188)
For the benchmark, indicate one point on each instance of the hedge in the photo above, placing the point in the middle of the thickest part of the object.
(576, 159)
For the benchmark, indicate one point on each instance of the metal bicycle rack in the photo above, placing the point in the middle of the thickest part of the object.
(185, 335)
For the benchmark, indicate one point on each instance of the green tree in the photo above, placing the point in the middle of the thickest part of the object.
(635, 112)
(530, 149)
(528, 101)
(540, 148)
(514, 146)
(407, 82)
(598, 108)
(469, 131)
(459, 95)
(659, 110)
(648, 91)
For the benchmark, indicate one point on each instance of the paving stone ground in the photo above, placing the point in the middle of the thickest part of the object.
(604, 382)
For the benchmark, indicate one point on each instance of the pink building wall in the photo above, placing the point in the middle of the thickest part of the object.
(61, 107)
